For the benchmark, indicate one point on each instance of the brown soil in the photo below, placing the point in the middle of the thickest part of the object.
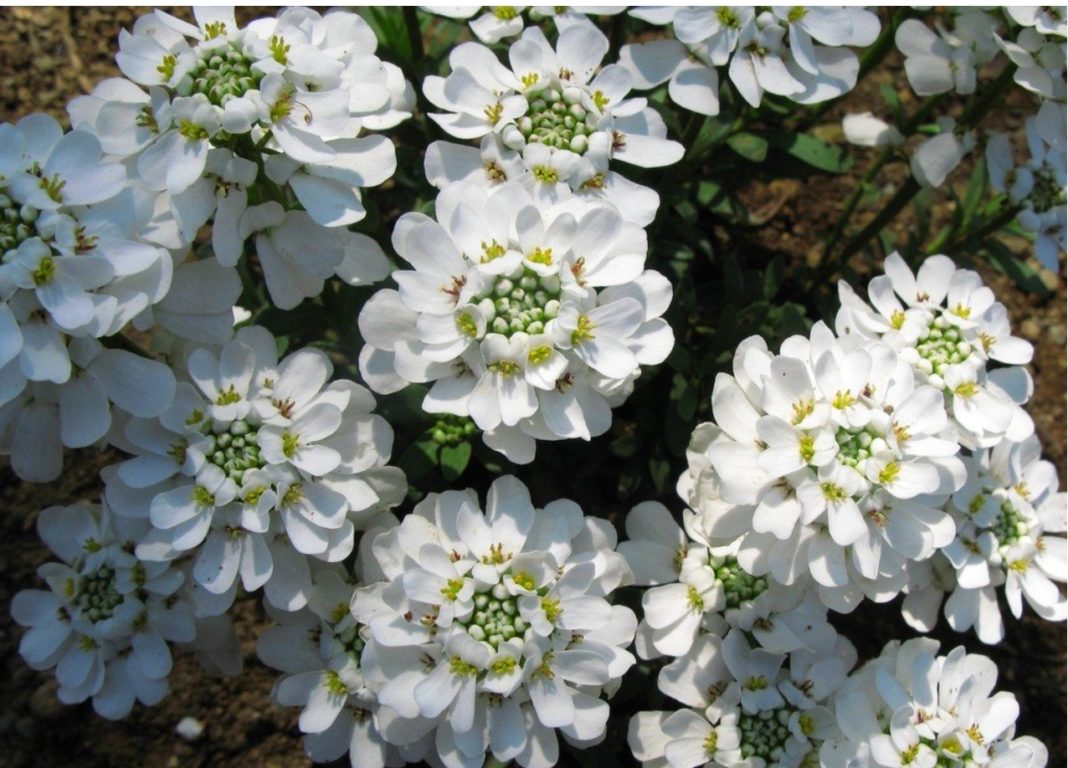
(50, 55)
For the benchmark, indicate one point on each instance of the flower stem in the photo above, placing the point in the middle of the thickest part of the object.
(415, 34)
(971, 117)
(126, 344)
(973, 235)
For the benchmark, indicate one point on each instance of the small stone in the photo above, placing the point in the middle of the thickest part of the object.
(44, 703)
(1057, 335)
(189, 728)
(1030, 329)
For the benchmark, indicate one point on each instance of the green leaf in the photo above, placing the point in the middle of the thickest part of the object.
(812, 151)
(750, 146)
(454, 459)
(684, 396)
(420, 458)
(1006, 262)
(390, 29)
(892, 100)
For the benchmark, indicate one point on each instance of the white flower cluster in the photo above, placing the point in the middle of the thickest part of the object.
(794, 51)
(948, 326)
(503, 313)
(554, 120)
(838, 457)
(107, 619)
(756, 662)
(911, 706)
(493, 630)
(1004, 515)
(747, 705)
(499, 22)
(320, 650)
(236, 125)
(256, 466)
(73, 269)
(699, 589)
(1037, 186)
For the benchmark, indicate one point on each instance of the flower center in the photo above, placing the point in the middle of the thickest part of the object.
(557, 119)
(521, 303)
(235, 450)
(740, 587)
(765, 734)
(1010, 525)
(223, 72)
(351, 642)
(17, 222)
(96, 595)
(452, 430)
(854, 446)
(1047, 192)
(941, 345)
(496, 619)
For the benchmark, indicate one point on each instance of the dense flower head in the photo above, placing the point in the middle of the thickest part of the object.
(256, 465)
(949, 327)
(746, 705)
(828, 460)
(798, 52)
(699, 589)
(911, 706)
(320, 651)
(493, 629)
(532, 320)
(1005, 515)
(75, 267)
(258, 129)
(563, 116)
(107, 619)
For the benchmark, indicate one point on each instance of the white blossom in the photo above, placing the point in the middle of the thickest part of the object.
(529, 319)
(107, 620)
(492, 630)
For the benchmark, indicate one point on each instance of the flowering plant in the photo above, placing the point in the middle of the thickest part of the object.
(775, 279)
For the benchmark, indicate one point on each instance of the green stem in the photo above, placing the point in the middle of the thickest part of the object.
(415, 35)
(968, 120)
(900, 199)
(975, 235)
(618, 31)
(124, 343)
(883, 158)
(878, 50)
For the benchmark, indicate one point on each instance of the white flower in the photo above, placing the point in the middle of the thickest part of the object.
(866, 130)
(320, 649)
(107, 621)
(835, 459)
(1039, 185)
(289, 94)
(772, 50)
(945, 323)
(738, 713)
(557, 97)
(258, 465)
(912, 707)
(493, 630)
(503, 313)
(935, 158)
